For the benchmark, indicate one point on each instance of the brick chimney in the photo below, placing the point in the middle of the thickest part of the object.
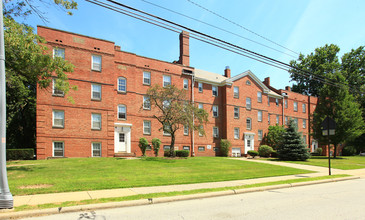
(227, 72)
(184, 49)
(287, 88)
(267, 81)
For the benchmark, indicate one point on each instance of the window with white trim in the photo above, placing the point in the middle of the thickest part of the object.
(146, 102)
(296, 122)
(286, 120)
(200, 87)
(236, 93)
(186, 84)
(200, 105)
(186, 130)
(146, 78)
(277, 119)
(215, 90)
(259, 96)
(248, 103)
(96, 121)
(166, 80)
(59, 52)
(236, 112)
(248, 124)
(200, 133)
(305, 139)
(96, 149)
(186, 148)
(58, 119)
(166, 130)
(295, 106)
(259, 135)
(304, 108)
(58, 148)
(147, 127)
(166, 147)
(277, 102)
(236, 133)
(96, 62)
(215, 132)
(56, 91)
(286, 103)
(122, 112)
(95, 91)
(215, 111)
(268, 118)
(122, 84)
(304, 123)
(201, 148)
(259, 116)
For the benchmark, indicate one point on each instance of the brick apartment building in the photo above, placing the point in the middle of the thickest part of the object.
(110, 112)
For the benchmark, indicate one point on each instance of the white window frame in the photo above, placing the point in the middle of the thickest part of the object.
(304, 123)
(236, 94)
(259, 116)
(268, 118)
(166, 80)
(146, 78)
(248, 103)
(93, 91)
(55, 91)
(215, 132)
(201, 148)
(186, 130)
(236, 133)
(92, 121)
(236, 112)
(56, 52)
(259, 97)
(200, 106)
(94, 62)
(146, 103)
(215, 90)
(304, 107)
(305, 139)
(120, 86)
(186, 84)
(200, 134)
(277, 101)
(248, 123)
(165, 133)
(259, 135)
(147, 127)
(277, 119)
(200, 87)
(92, 149)
(215, 111)
(286, 120)
(295, 106)
(54, 115)
(286, 103)
(296, 122)
(53, 148)
(120, 111)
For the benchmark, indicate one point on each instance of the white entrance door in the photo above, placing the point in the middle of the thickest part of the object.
(249, 141)
(122, 139)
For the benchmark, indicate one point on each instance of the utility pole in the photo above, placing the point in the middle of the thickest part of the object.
(6, 199)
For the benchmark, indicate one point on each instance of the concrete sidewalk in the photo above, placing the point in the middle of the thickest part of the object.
(84, 195)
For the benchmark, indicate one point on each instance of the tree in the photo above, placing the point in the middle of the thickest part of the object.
(173, 111)
(156, 145)
(143, 144)
(28, 63)
(292, 147)
(341, 106)
(274, 136)
(225, 146)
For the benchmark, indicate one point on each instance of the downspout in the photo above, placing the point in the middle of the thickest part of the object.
(192, 101)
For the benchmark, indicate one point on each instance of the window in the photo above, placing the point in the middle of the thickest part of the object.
(236, 133)
(286, 120)
(148, 147)
(215, 132)
(303, 108)
(166, 81)
(147, 127)
(248, 103)
(215, 149)
(146, 78)
(295, 106)
(186, 148)
(166, 130)
(268, 118)
(259, 96)
(96, 121)
(201, 148)
(122, 84)
(186, 84)
(215, 90)
(59, 52)
(96, 149)
(236, 93)
(96, 62)
(304, 123)
(122, 112)
(146, 102)
(186, 130)
(248, 123)
(200, 87)
(236, 112)
(200, 105)
(296, 122)
(248, 82)
(58, 119)
(259, 116)
(200, 133)
(277, 102)
(277, 119)
(58, 148)
(304, 139)
(259, 134)
(286, 103)
(95, 92)
(166, 147)
(248, 143)
(215, 111)
(56, 91)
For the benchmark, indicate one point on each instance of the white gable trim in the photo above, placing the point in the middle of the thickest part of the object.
(250, 74)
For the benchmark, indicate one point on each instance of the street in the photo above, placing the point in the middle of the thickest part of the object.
(339, 200)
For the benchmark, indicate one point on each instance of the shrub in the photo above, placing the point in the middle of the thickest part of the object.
(225, 145)
(143, 143)
(156, 145)
(20, 154)
(253, 153)
(274, 154)
(317, 152)
(348, 151)
(265, 151)
(166, 153)
(182, 153)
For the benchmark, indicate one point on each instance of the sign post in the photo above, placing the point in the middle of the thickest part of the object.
(328, 128)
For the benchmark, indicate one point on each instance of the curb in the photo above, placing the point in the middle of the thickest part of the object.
(90, 207)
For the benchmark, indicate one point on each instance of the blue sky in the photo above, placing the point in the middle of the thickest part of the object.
(300, 25)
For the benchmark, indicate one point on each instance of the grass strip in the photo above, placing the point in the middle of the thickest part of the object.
(170, 194)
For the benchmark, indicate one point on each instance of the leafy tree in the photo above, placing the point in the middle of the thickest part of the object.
(173, 111)
(265, 151)
(156, 145)
(274, 136)
(224, 147)
(341, 106)
(28, 63)
(143, 144)
(292, 147)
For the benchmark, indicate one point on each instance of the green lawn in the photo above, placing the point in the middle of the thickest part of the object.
(343, 163)
(78, 174)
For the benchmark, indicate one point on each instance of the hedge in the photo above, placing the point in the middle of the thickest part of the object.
(20, 154)
(182, 153)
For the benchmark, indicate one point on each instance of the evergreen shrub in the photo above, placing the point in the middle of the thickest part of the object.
(265, 151)
(253, 153)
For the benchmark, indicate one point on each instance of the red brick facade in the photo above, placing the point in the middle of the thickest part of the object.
(66, 129)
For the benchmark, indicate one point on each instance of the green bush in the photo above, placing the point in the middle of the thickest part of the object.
(166, 153)
(253, 153)
(182, 153)
(274, 154)
(20, 154)
(317, 152)
(156, 145)
(143, 143)
(265, 151)
(349, 151)
(225, 145)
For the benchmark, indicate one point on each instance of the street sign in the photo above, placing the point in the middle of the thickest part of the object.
(328, 126)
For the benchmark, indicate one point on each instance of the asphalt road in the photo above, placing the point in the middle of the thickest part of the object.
(338, 200)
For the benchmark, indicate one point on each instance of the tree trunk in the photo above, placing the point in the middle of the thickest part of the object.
(172, 145)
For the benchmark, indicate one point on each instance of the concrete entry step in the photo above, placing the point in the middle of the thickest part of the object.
(124, 154)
